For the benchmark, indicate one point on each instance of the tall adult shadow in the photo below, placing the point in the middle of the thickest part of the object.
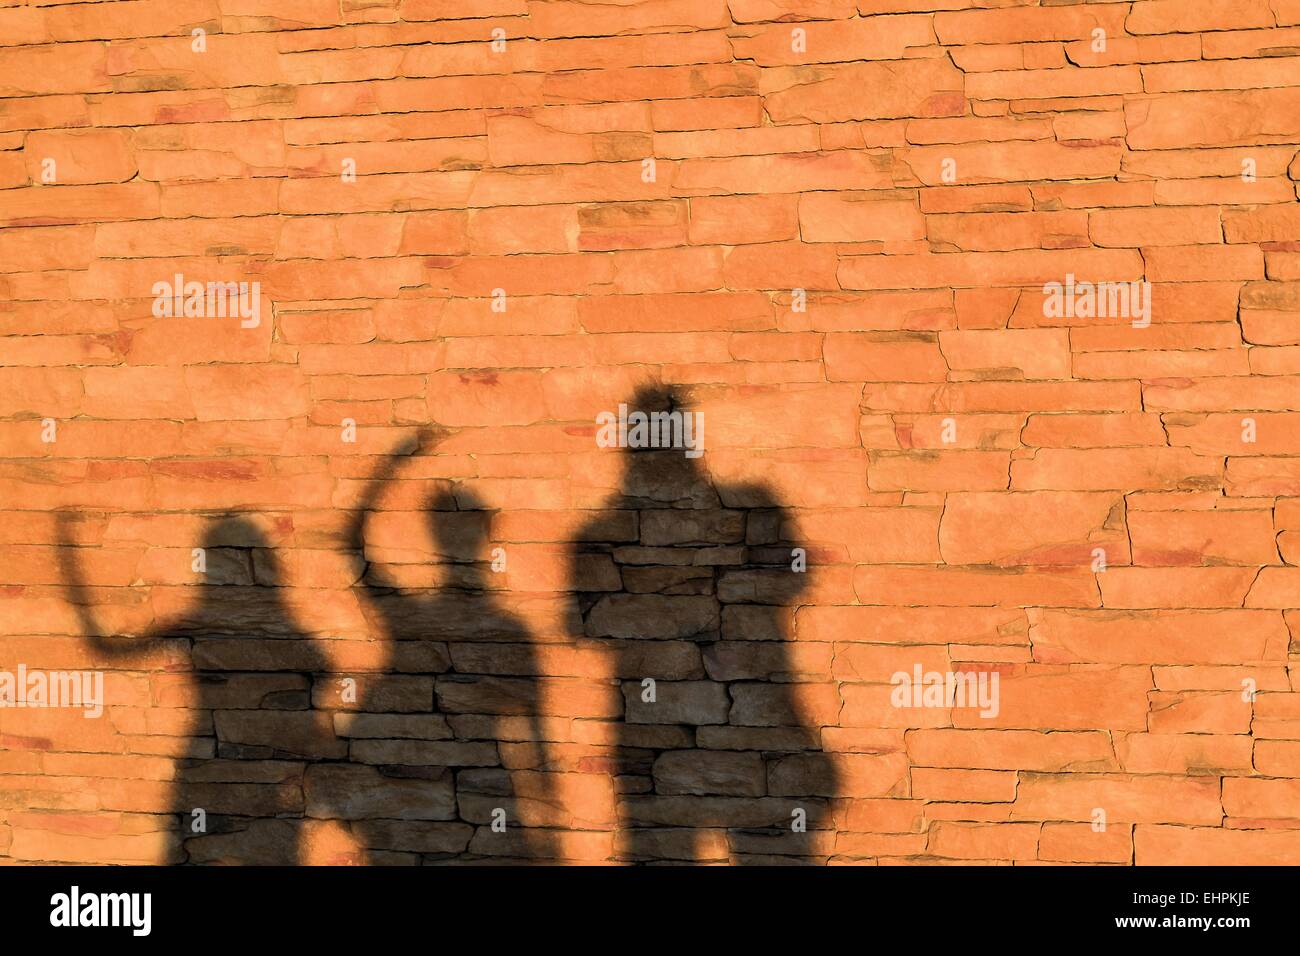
(687, 583)
(250, 729)
(483, 758)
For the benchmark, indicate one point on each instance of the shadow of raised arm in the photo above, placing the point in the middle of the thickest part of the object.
(78, 596)
(370, 575)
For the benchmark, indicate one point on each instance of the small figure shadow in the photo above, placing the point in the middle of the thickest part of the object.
(689, 585)
(488, 794)
(250, 727)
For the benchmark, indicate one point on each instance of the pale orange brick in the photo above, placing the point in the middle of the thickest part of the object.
(1185, 754)
(857, 217)
(1082, 843)
(1276, 758)
(739, 219)
(1032, 528)
(1235, 118)
(1213, 846)
(991, 232)
(976, 786)
(830, 94)
(937, 470)
(1154, 227)
(923, 625)
(1169, 16)
(1189, 538)
(1040, 697)
(1128, 637)
(1018, 841)
(1010, 353)
(1199, 713)
(1026, 25)
(1050, 751)
(1045, 84)
(1181, 587)
(884, 357)
(956, 587)
(1124, 798)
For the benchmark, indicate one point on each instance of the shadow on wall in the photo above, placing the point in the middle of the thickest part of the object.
(686, 585)
(689, 583)
(237, 787)
(463, 775)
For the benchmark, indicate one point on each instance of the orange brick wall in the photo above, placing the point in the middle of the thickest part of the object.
(429, 600)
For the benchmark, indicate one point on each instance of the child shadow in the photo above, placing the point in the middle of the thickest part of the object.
(249, 724)
(486, 761)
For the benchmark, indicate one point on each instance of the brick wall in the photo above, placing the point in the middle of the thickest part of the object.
(365, 584)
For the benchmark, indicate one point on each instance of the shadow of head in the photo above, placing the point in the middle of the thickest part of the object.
(660, 439)
(654, 398)
(242, 588)
(459, 523)
(240, 533)
(742, 525)
(234, 531)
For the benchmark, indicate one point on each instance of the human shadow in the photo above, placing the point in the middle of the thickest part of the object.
(481, 750)
(237, 675)
(688, 583)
